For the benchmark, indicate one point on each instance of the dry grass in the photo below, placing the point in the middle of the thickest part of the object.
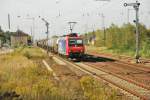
(22, 76)
(32, 53)
(113, 52)
(98, 49)
(94, 90)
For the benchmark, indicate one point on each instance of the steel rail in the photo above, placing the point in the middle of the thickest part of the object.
(140, 67)
(119, 76)
(105, 76)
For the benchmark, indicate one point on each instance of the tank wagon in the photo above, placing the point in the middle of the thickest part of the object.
(42, 43)
(53, 44)
(0, 43)
(70, 46)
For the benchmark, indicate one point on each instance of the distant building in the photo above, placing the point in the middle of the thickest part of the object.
(19, 38)
(0, 43)
(1, 38)
(90, 38)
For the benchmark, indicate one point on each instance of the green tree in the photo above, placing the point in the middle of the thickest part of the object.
(122, 39)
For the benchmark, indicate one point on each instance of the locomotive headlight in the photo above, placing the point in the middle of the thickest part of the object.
(69, 50)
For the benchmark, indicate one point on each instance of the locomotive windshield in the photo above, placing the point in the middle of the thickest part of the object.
(77, 42)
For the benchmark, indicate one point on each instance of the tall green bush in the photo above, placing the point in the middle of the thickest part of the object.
(122, 38)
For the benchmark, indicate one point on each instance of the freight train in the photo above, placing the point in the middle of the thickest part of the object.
(70, 46)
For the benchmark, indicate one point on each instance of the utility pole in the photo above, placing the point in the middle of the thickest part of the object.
(9, 21)
(7, 41)
(128, 15)
(32, 27)
(72, 24)
(32, 34)
(103, 26)
(47, 30)
(103, 23)
(85, 17)
(136, 7)
(18, 23)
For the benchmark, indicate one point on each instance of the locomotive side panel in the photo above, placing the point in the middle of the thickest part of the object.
(62, 46)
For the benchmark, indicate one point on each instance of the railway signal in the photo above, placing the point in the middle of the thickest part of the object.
(136, 7)
(47, 30)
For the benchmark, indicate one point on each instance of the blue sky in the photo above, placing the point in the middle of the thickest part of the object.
(59, 12)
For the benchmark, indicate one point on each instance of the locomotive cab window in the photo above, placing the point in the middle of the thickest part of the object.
(79, 41)
(73, 42)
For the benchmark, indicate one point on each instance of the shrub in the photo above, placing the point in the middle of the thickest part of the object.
(94, 90)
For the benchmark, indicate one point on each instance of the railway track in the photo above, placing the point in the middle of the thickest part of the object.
(140, 82)
(139, 77)
(123, 58)
(138, 74)
(143, 60)
(137, 92)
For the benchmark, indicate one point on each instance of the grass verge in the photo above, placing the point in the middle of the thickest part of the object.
(24, 77)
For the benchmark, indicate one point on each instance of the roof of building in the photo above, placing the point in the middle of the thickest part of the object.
(1, 35)
(19, 33)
